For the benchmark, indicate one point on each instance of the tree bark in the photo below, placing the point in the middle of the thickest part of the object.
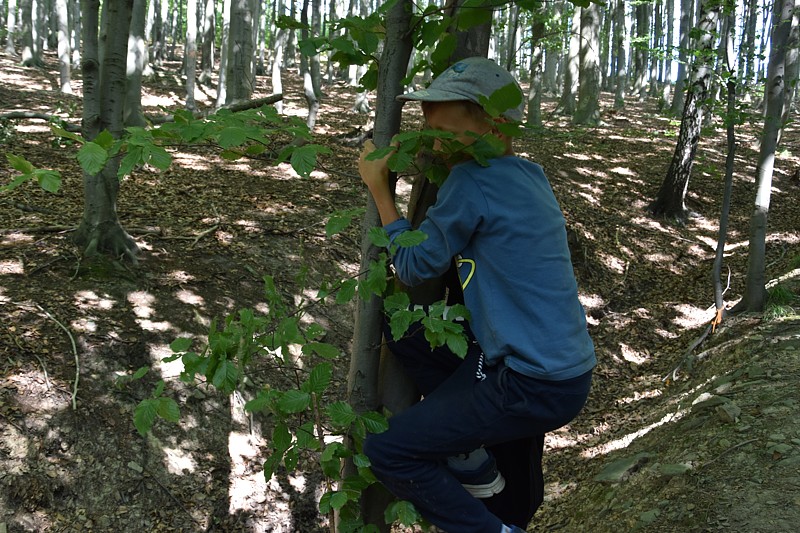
(208, 46)
(190, 53)
(567, 103)
(683, 56)
(588, 111)
(64, 48)
(363, 378)
(670, 200)
(622, 71)
(240, 75)
(104, 100)
(754, 298)
(11, 28)
(137, 59)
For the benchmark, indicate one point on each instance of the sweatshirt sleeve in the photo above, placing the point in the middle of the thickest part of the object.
(450, 223)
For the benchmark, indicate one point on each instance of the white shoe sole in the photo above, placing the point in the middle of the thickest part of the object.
(487, 490)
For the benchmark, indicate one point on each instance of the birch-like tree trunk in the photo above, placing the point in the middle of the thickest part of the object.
(75, 32)
(240, 74)
(11, 28)
(64, 48)
(588, 111)
(277, 57)
(534, 115)
(670, 200)
(136, 63)
(754, 297)
(222, 90)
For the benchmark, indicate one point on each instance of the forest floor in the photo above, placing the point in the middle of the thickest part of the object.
(716, 447)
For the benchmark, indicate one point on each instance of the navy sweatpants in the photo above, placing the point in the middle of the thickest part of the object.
(506, 412)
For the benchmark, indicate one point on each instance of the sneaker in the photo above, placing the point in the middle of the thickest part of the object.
(483, 482)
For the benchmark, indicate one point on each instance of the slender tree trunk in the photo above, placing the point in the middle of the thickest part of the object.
(222, 81)
(277, 58)
(622, 70)
(588, 111)
(670, 201)
(567, 104)
(535, 93)
(792, 69)
(11, 28)
(640, 53)
(137, 59)
(683, 56)
(365, 362)
(64, 49)
(75, 32)
(307, 69)
(552, 52)
(754, 298)
(208, 46)
(190, 52)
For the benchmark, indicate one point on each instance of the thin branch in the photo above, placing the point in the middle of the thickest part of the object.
(74, 351)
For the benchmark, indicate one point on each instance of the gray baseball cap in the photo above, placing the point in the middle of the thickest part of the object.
(469, 79)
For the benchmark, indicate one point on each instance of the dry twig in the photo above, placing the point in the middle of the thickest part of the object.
(75, 353)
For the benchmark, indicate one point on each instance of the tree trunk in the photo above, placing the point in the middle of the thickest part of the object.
(190, 53)
(754, 297)
(137, 60)
(277, 60)
(64, 49)
(622, 70)
(683, 56)
(670, 201)
(567, 103)
(748, 46)
(222, 82)
(103, 101)
(511, 39)
(361, 104)
(363, 378)
(240, 76)
(307, 65)
(31, 50)
(588, 111)
(11, 28)
(535, 93)
(552, 52)
(207, 49)
(792, 69)
(640, 54)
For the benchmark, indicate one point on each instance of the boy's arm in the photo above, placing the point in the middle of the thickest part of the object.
(375, 175)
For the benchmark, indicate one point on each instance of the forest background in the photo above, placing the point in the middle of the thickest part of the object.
(189, 209)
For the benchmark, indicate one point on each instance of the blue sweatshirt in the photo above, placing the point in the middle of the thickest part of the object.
(505, 228)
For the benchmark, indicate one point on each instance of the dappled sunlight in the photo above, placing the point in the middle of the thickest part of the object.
(91, 300)
(613, 263)
(631, 355)
(11, 266)
(16, 238)
(690, 317)
(641, 395)
(191, 298)
(625, 441)
(194, 161)
(167, 369)
(178, 461)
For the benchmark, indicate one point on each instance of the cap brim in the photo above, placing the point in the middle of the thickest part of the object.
(432, 95)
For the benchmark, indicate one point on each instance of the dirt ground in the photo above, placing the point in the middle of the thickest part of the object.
(712, 446)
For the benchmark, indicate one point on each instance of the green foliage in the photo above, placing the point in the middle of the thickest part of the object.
(781, 302)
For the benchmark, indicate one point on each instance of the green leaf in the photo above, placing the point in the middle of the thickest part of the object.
(259, 403)
(49, 180)
(347, 291)
(341, 414)
(159, 158)
(168, 409)
(332, 500)
(61, 132)
(410, 238)
(92, 158)
(181, 344)
(145, 415)
(323, 349)
(402, 511)
(139, 374)
(306, 438)
(374, 422)
(16, 182)
(129, 162)
(444, 50)
(304, 158)
(104, 139)
(339, 220)
(281, 438)
(294, 401)
(378, 237)
(319, 379)
(226, 376)
(231, 137)
(20, 164)
(396, 301)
